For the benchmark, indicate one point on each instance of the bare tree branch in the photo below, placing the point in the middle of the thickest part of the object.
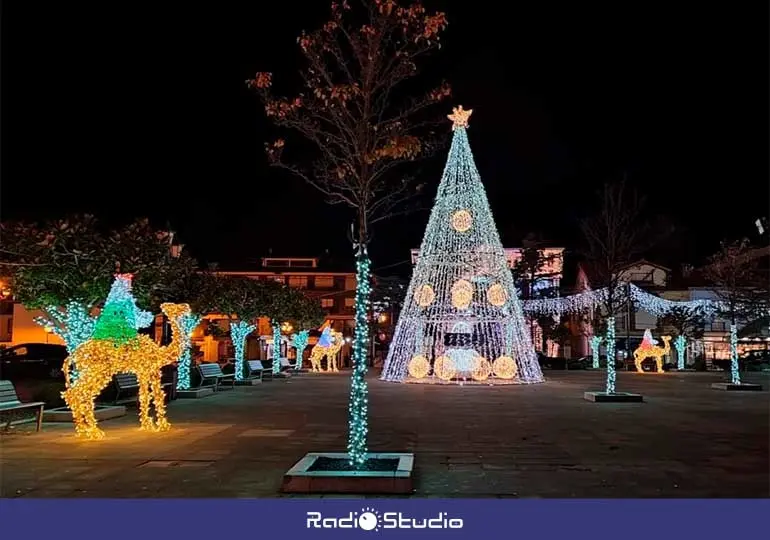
(360, 134)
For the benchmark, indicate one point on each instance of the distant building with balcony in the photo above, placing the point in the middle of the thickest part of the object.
(333, 286)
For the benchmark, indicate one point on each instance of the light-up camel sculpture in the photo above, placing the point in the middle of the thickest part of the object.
(647, 349)
(99, 358)
(329, 344)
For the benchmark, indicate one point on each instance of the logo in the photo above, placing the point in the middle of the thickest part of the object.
(369, 519)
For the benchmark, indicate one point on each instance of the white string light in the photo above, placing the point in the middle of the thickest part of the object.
(590, 300)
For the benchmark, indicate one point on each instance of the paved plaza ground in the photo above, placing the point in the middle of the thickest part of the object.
(544, 440)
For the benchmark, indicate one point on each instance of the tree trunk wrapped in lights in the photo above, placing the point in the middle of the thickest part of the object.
(239, 331)
(186, 324)
(742, 289)
(595, 344)
(299, 340)
(680, 344)
(358, 404)
(357, 64)
(276, 347)
(462, 319)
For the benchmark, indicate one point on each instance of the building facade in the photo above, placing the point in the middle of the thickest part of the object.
(334, 289)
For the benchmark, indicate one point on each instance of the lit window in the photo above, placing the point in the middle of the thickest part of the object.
(324, 282)
(350, 283)
(350, 302)
(327, 302)
(279, 279)
(298, 282)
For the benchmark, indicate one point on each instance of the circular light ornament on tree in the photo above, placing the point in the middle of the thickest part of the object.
(419, 366)
(444, 368)
(496, 295)
(481, 369)
(424, 295)
(462, 221)
(462, 294)
(504, 367)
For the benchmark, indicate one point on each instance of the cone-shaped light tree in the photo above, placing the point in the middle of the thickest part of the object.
(462, 319)
(356, 66)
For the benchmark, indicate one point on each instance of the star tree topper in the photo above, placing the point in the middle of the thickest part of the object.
(459, 117)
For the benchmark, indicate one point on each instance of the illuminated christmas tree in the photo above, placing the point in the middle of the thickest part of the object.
(462, 319)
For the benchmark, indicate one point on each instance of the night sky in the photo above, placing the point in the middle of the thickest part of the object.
(143, 111)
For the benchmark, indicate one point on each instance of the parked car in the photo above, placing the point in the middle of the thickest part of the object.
(32, 361)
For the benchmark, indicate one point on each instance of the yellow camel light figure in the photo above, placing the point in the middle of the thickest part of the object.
(329, 351)
(646, 350)
(97, 360)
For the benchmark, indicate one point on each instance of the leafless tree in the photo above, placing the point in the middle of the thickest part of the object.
(356, 111)
(614, 238)
(739, 281)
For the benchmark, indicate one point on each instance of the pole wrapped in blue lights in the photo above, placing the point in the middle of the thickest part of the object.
(300, 341)
(358, 406)
(595, 344)
(239, 331)
(680, 344)
(276, 348)
(735, 373)
(610, 346)
(187, 323)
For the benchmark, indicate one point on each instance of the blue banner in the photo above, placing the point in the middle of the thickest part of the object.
(190, 519)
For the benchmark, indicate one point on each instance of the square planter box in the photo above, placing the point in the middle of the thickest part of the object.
(743, 387)
(325, 472)
(618, 397)
(102, 412)
(194, 393)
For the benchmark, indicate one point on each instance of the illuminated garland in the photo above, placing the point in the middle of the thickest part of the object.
(299, 341)
(680, 343)
(461, 312)
(186, 324)
(276, 348)
(589, 300)
(239, 331)
(655, 305)
(576, 303)
(595, 343)
(610, 344)
(358, 405)
(734, 367)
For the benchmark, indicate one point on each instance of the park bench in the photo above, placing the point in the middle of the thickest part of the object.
(9, 403)
(286, 365)
(255, 369)
(213, 372)
(127, 382)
